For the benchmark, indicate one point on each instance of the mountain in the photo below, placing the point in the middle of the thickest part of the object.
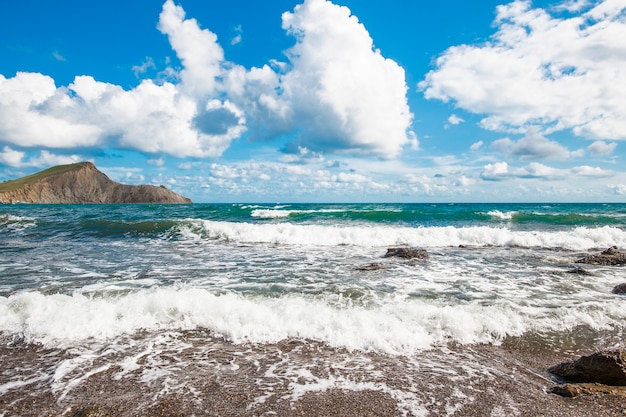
(81, 183)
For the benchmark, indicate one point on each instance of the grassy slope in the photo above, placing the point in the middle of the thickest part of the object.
(30, 179)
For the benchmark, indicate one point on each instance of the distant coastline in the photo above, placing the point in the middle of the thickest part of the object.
(82, 183)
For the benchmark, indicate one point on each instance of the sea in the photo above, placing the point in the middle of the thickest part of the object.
(276, 309)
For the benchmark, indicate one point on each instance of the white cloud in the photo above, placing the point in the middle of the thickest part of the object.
(147, 64)
(537, 170)
(587, 171)
(197, 49)
(337, 92)
(159, 162)
(532, 146)
(47, 159)
(345, 95)
(619, 189)
(464, 181)
(455, 120)
(237, 35)
(476, 145)
(501, 170)
(16, 159)
(572, 5)
(303, 155)
(57, 55)
(602, 148)
(180, 119)
(26, 121)
(11, 157)
(556, 73)
(351, 177)
(495, 172)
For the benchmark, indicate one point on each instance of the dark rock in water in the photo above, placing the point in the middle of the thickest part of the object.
(575, 390)
(607, 368)
(370, 267)
(406, 253)
(579, 271)
(619, 289)
(611, 256)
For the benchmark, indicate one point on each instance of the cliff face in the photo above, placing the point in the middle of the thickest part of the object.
(82, 183)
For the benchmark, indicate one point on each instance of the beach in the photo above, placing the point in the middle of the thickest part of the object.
(304, 378)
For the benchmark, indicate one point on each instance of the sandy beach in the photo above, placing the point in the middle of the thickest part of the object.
(295, 378)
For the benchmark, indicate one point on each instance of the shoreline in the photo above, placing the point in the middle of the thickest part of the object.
(208, 376)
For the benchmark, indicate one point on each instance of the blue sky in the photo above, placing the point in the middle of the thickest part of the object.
(320, 101)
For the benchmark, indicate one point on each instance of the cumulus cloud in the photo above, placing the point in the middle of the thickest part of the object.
(476, 145)
(25, 119)
(602, 148)
(541, 70)
(198, 50)
(337, 93)
(345, 95)
(495, 172)
(11, 157)
(532, 146)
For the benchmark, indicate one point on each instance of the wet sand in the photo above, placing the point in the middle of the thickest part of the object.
(294, 378)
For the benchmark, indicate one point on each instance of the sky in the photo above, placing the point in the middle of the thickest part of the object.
(322, 101)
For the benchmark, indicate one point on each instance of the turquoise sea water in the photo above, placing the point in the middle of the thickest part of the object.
(82, 277)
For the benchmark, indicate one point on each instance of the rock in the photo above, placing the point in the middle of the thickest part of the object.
(406, 253)
(611, 256)
(370, 267)
(575, 390)
(619, 289)
(579, 271)
(82, 183)
(608, 368)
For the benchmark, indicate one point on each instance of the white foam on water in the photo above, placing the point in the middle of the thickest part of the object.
(271, 213)
(506, 215)
(278, 212)
(579, 238)
(392, 325)
(16, 223)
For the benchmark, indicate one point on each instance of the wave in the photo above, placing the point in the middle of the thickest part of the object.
(15, 223)
(579, 238)
(278, 212)
(393, 326)
(497, 214)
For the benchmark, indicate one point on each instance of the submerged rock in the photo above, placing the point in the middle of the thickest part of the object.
(370, 267)
(579, 271)
(619, 289)
(406, 253)
(611, 256)
(608, 368)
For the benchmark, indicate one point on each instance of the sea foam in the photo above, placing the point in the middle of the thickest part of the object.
(579, 238)
(393, 326)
